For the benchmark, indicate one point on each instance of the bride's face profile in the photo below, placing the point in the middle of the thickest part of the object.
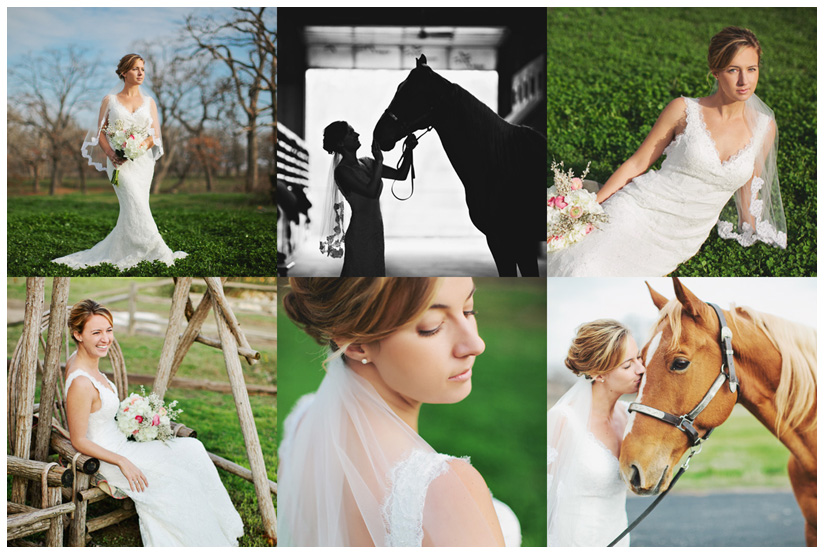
(627, 376)
(350, 140)
(738, 80)
(430, 360)
(97, 336)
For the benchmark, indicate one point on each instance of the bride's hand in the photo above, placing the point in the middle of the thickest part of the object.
(377, 153)
(137, 481)
(410, 142)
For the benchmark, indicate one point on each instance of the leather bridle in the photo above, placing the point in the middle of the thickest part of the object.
(726, 373)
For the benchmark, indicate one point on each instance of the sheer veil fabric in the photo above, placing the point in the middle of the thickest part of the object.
(352, 473)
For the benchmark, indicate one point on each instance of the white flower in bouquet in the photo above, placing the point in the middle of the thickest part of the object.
(126, 141)
(572, 211)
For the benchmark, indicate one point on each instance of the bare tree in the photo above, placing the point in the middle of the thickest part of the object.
(251, 32)
(50, 87)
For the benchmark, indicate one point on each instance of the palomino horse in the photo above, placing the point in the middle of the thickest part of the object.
(502, 166)
(775, 365)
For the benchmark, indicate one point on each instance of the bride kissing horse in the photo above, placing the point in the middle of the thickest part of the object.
(502, 166)
(771, 371)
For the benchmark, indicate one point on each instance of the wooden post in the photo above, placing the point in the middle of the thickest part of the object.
(54, 537)
(121, 378)
(248, 428)
(192, 330)
(173, 332)
(51, 365)
(132, 307)
(77, 524)
(216, 288)
(27, 376)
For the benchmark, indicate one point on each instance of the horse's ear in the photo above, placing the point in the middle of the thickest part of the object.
(690, 302)
(421, 61)
(659, 300)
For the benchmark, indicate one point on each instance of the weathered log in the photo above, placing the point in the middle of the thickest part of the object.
(26, 381)
(51, 364)
(77, 524)
(246, 353)
(119, 375)
(193, 328)
(65, 449)
(244, 409)
(207, 385)
(18, 521)
(182, 431)
(27, 530)
(219, 301)
(239, 471)
(173, 332)
(32, 470)
(54, 537)
(118, 515)
(17, 508)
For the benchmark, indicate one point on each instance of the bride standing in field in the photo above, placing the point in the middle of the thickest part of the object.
(130, 118)
(716, 147)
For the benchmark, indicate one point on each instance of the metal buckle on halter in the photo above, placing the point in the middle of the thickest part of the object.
(726, 334)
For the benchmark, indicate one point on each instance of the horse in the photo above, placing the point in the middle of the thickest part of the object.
(774, 379)
(502, 166)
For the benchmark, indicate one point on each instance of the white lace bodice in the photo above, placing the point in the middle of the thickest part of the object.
(102, 428)
(141, 117)
(661, 218)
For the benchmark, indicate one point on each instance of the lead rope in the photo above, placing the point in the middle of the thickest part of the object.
(44, 485)
(412, 169)
(74, 480)
(652, 506)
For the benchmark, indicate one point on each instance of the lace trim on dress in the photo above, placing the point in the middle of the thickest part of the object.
(764, 231)
(403, 510)
(700, 120)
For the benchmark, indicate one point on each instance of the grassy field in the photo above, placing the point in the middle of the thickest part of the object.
(213, 415)
(223, 233)
(501, 424)
(610, 72)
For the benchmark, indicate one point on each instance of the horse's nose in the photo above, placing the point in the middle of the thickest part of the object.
(635, 477)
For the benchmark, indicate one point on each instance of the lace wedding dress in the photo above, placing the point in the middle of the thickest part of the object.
(135, 238)
(662, 218)
(586, 494)
(185, 503)
(352, 473)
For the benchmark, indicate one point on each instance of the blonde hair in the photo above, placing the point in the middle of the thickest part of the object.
(82, 311)
(597, 348)
(727, 43)
(126, 63)
(356, 310)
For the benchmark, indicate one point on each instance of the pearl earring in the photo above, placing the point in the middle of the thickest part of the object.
(363, 361)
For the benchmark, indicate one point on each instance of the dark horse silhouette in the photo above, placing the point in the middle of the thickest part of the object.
(502, 166)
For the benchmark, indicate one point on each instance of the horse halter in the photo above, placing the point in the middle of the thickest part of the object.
(727, 372)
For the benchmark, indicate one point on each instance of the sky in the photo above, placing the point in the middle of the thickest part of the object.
(573, 301)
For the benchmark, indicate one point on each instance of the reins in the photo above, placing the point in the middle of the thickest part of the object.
(684, 422)
(412, 167)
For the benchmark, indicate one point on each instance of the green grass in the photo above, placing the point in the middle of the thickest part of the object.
(212, 415)
(223, 233)
(501, 424)
(610, 73)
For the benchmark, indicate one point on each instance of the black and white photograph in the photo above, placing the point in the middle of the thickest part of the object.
(411, 142)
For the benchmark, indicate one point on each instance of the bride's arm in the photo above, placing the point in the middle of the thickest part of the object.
(79, 401)
(103, 141)
(155, 129)
(401, 173)
(662, 134)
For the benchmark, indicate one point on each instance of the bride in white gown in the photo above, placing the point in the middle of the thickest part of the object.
(585, 491)
(353, 469)
(135, 238)
(178, 494)
(716, 147)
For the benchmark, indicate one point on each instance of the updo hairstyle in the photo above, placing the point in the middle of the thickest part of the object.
(727, 43)
(126, 63)
(356, 310)
(597, 348)
(82, 311)
(333, 135)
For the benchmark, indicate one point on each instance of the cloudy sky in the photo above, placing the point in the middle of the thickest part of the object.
(573, 301)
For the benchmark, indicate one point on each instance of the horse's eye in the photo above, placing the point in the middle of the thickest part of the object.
(679, 365)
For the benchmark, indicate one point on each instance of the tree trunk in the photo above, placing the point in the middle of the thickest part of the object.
(55, 183)
(81, 171)
(36, 176)
(207, 168)
(251, 155)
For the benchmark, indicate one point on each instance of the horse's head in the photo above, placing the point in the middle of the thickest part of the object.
(684, 359)
(413, 106)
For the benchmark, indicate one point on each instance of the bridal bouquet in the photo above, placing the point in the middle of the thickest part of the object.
(127, 142)
(572, 212)
(144, 417)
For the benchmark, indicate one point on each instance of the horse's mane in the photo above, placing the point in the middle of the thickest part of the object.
(796, 395)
